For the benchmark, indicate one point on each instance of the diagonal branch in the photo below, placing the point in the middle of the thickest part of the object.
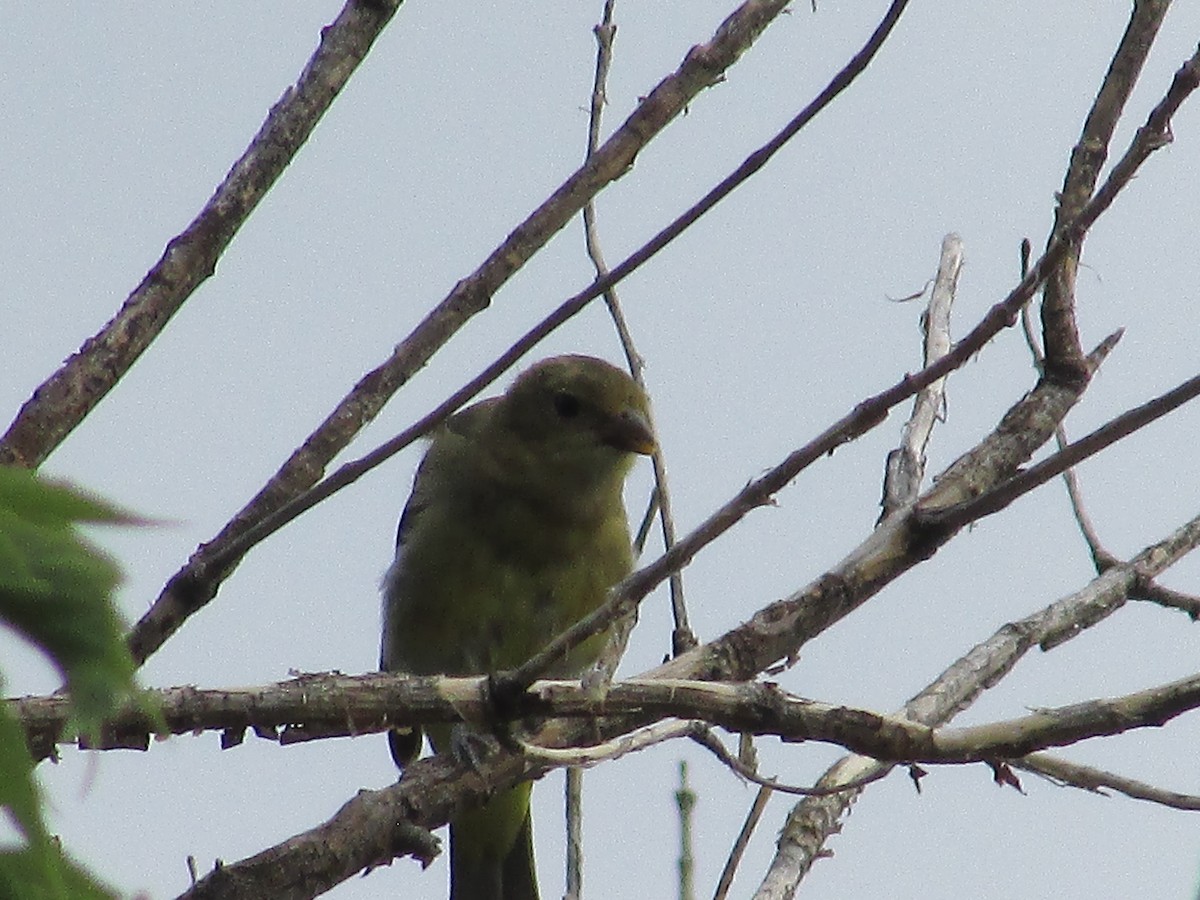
(811, 822)
(62, 401)
(899, 543)
(1070, 455)
(1088, 778)
(1064, 356)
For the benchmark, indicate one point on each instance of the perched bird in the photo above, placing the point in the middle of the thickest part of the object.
(515, 530)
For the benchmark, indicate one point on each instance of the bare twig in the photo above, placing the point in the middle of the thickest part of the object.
(753, 817)
(622, 745)
(1164, 596)
(1087, 778)
(683, 638)
(1100, 556)
(906, 464)
(604, 668)
(706, 739)
(573, 814)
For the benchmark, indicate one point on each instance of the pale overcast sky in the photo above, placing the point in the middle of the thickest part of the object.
(764, 322)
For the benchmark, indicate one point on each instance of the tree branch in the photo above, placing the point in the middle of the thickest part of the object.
(369, 827)
(1064, 357)
(1072, 454)
(61, 402)
(1087, 778)
(739, 707)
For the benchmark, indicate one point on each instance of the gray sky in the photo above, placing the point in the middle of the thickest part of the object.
(760, 325)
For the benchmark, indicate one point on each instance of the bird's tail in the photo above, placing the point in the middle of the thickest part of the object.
(491, 850)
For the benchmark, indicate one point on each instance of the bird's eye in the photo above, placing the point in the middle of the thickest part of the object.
(566, 405)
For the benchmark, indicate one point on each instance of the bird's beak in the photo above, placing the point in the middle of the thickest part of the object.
(630, 430)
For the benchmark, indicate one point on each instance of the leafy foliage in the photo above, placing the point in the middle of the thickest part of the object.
(56, 591)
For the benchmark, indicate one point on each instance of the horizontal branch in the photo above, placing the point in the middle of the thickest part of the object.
(376, 826)
(371, 703)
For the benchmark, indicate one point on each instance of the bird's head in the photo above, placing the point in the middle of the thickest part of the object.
(579, 415)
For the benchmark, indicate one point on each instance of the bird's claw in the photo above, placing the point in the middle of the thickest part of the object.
(471, 747)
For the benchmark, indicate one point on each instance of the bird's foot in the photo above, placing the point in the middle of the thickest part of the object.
(472, 747)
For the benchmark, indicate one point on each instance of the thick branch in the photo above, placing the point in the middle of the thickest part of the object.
(370, 704)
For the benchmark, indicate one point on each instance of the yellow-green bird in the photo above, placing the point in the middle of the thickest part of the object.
(515, 530)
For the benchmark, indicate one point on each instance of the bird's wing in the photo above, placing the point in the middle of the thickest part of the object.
(453, 438)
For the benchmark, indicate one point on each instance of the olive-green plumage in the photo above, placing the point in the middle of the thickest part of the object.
(515, 530)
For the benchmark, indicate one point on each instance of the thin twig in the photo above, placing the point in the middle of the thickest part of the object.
(753, 817)
(603, 670)
(1164, 596)
(748, 757)
(623, 745)
(683, 638)
(905, 467)
(1088, 778)
(1100, 556)
(573, 814)
(705, 738)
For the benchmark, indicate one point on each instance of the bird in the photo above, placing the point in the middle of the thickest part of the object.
(515, 529)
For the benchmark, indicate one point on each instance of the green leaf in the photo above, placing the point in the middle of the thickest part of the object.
(37, 869)
(56, 589)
